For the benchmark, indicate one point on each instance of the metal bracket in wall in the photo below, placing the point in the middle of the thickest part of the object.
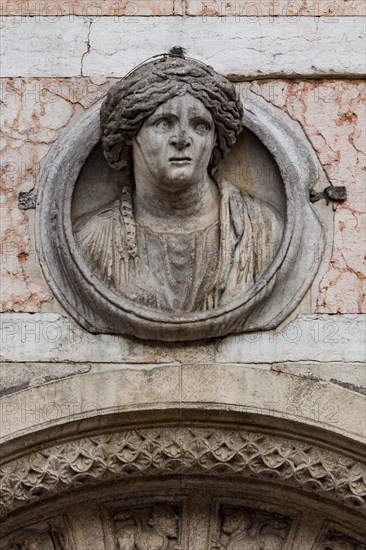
(330, 193)
(26, 201)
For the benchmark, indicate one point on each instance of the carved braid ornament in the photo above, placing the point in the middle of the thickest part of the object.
(196, 451)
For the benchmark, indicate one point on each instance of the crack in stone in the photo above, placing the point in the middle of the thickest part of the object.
(88, 47)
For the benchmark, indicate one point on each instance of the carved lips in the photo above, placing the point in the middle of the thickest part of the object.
(180, 160)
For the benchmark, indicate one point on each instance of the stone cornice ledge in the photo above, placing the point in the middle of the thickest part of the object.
(51, 337)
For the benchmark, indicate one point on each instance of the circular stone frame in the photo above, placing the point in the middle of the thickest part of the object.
(263, 305)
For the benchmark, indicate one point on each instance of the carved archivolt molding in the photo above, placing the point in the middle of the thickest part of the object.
(184, 451)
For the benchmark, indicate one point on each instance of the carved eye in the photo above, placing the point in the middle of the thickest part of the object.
(201, 127)
(163, 124)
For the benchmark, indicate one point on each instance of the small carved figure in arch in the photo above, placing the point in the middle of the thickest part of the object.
(237, 524)
(32, 541)
(126, 537)
(271, 541)
(160, 531)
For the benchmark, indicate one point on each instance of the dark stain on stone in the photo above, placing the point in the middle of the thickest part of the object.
(14, 389)
(349, 386)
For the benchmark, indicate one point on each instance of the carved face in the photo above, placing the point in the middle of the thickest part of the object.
(270, 542)
(234, 521)
(33, 543)
(174, 145)
(166, 520)
(126, 538)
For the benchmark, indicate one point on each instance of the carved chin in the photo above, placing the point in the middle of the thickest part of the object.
(180, 174)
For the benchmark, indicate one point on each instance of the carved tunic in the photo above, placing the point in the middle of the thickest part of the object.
(181, 272)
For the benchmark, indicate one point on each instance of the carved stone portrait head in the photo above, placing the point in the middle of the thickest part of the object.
(174, 250)
(177, 239)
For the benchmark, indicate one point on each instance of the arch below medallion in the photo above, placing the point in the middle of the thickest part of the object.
(212, 445)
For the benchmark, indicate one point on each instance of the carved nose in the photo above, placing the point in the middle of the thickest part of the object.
(180, 141)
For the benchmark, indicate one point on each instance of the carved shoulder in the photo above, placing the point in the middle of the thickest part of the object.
(264, 219)
(103, 213)
(95, 236)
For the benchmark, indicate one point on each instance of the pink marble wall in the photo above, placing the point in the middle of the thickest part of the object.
(332, 114)
(284, 8)
(36, 112)
(220, 8)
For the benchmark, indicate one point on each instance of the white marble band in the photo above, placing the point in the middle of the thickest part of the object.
(237, 47)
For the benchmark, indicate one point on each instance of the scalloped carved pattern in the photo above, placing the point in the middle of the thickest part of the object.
(165, 451)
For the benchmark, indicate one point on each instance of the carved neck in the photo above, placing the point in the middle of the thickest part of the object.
(189, 209)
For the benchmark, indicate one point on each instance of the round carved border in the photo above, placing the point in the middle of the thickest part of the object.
(100, 310)
(227, 453)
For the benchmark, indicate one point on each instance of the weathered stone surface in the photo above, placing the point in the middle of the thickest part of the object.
(267, 396)
(347, 375)
(45, 47)
(35, 112)
(262, 44)
(111, 46)
(333, 116)
(18, 377)
(51, 337)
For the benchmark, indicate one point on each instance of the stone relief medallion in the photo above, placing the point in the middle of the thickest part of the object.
(151, 222)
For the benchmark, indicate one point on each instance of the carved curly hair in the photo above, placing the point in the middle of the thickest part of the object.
(136, 97)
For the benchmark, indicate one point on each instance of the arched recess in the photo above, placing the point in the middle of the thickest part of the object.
(200, 459)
